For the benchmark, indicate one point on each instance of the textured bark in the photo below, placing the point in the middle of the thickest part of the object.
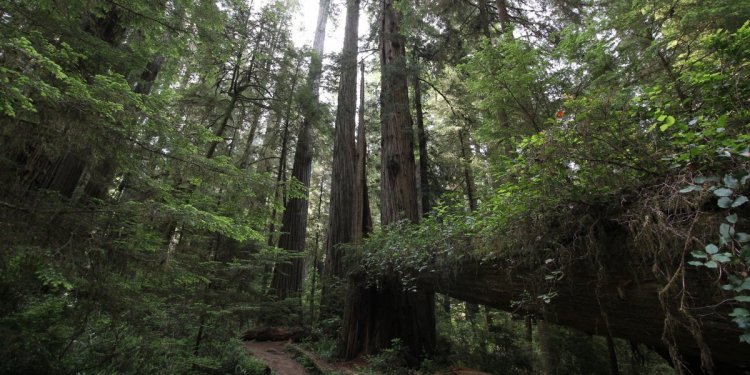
(484, 18)
(342, 208)
(466, 156)
(362, 216)
(629, 300)
(398, 179)
(424, 180)
(287, 276)
(245, 159)
(281, 177)
(472, 309)
(503, 15)
(379, 313)
(315, 266)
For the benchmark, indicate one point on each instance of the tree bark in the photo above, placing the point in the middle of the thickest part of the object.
(362, 216)
(342, 209)
(344, 200)
(377, 314)
(287, 276)
(424, 180)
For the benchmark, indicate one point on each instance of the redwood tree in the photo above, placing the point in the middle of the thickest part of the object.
(343, 196)
(383, 311)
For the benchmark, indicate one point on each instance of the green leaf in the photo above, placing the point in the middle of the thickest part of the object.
(661, 118)
(711, 264)
(739, 201)
(722, 121)
(712, 249)
(704, 179)
(731, 182)
(745, 338)
(742, 237)
(723, 192)
(699, 255)
(669, 122)
(722, 258)
(732, 218)
(739, 312)
(726, 231)
(689, 189)
(742, 298)
(724, 202)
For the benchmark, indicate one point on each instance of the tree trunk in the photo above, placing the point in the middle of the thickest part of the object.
(472, 309)
(287, 276)
(71, 169)
(362, 216)
(424, 180)
(377, 314)
(545, 348)
(503, 15)
(341, 217)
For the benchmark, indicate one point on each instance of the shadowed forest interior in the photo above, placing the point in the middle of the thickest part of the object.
(460, 187)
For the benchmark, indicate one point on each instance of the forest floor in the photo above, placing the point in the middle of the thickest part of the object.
(279, 356)
(275, 355)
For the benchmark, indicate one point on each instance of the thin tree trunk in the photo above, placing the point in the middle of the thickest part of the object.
(314, 266)
(362, 217)
(424, 180)
(472, 309)
(245, 159)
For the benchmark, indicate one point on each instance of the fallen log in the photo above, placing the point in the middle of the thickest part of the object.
(625, 303)
(274, 334)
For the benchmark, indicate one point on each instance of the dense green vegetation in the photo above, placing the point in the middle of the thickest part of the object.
(151, 164)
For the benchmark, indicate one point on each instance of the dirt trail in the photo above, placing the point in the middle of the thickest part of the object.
(282, 363)
(272, 353)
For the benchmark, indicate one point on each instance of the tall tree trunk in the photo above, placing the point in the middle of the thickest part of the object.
(377, 314)
(472, 309)
(362, 216)
(545, 347)
(315, 261)
(484, 18)
(424, 180)
(341, 217)
(281, 168)
(287, 276)
(245, 159)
